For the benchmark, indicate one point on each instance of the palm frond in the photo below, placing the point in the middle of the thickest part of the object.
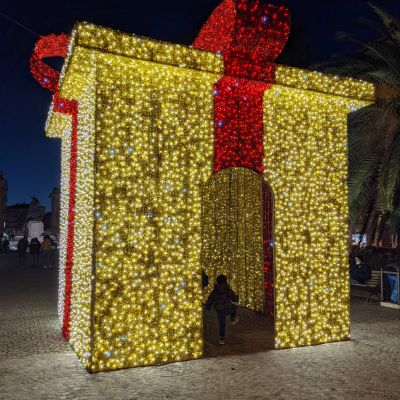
(391, 23)
(388, 176)
(349, 64)
(361, 178)
(387, 76)
(385, 51)
(389, 109)
(374, 145)
(358, 205)
(364, 115)
(384, 34)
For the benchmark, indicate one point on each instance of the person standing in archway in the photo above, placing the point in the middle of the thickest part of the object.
(222, 298)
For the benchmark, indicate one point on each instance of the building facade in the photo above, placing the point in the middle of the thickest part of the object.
(15, 218)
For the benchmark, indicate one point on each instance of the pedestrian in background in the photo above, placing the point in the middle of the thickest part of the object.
(22, 247)
(222, 298)
(45, 249)
(360, 271)
(34, 250)
(6, 245)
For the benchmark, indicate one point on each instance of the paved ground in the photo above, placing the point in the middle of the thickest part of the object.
(35, 363)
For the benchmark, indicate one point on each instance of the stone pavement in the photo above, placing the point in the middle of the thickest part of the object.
(35, 363)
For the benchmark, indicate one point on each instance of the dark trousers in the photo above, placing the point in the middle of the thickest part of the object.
(22, 257)
(222, 314)
(46, 257)
(35, 258)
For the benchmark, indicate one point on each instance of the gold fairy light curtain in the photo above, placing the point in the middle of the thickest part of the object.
(232, 233)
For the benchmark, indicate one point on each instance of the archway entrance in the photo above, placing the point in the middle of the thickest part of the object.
(237, 236)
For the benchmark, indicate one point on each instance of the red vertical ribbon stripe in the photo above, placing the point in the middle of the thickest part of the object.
(56, 46)
(249, 35)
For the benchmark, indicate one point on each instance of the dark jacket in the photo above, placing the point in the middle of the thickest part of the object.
(361, 272)
(22, 245)
(34, 246)
(221, 298)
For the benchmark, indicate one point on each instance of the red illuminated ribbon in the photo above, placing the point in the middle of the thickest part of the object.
(56, 46)
(250, 36)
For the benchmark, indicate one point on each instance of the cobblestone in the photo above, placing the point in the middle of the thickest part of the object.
(35, 362)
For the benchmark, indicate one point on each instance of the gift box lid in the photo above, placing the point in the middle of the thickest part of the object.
(105, 40)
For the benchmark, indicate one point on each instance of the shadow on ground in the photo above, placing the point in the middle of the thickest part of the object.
(252, 334)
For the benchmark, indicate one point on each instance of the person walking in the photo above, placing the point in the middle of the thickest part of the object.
(34, 250)
(222, 298)
(22, 247)
(45, 249)
(6, 245)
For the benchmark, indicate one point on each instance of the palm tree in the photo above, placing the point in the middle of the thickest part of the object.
(374, 131)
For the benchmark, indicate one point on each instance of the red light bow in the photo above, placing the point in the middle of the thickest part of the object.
(250, 36)
(48, 46)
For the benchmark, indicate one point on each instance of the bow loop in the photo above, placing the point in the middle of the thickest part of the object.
(48, 46)
(250, 35)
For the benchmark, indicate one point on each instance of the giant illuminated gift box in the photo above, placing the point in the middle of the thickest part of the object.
(177, 159)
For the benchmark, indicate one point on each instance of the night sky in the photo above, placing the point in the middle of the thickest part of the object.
(31, 161)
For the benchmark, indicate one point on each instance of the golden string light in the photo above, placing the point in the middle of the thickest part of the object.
(305, 146)
(232, 233)
(145, 147)
(145, 155)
